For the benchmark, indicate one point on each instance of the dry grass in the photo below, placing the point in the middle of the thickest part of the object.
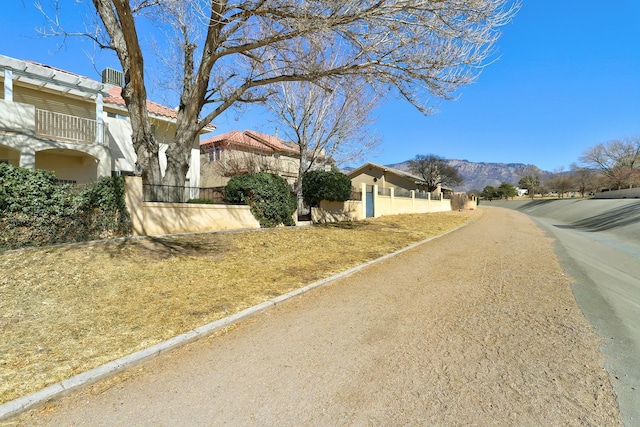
(67, 309)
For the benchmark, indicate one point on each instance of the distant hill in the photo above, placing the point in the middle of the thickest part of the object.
(478, 175)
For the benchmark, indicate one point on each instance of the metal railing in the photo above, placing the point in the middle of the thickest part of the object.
(177, 194)
(384, 191)
(402, 192)
(67, 128)
(428, 195)
(356, 194)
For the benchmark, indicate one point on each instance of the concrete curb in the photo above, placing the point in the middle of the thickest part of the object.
(58, 390)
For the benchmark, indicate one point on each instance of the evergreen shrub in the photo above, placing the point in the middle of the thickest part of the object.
(269, 196)
(318, 185)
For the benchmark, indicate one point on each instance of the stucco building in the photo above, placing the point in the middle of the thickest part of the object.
(74, 126)
(238, 153)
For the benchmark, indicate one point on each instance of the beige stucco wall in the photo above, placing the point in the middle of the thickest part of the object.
(168, 218)
(351, 210)
(68, 165)
(368, 178)
(383, 205)
(376, 176)
(10, 155)
(43, 100)
(17, 118)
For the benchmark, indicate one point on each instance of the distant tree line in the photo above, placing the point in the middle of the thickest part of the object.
(613, 165)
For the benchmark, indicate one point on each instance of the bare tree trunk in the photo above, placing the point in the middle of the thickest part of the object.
(301, 171)
(118, 20)
(179, 159)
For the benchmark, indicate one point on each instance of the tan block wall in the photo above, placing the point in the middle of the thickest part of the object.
(350, 210)
(385, 205)
(403, 205)
(151, 218)
(353, 210)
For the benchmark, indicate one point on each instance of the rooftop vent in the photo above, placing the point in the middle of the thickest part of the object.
(112, 77)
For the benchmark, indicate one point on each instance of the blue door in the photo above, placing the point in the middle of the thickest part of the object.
(369, 203)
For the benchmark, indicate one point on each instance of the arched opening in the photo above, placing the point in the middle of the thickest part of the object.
(68, 165)
(9, 155)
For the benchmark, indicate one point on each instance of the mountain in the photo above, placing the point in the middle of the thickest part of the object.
(477, 175)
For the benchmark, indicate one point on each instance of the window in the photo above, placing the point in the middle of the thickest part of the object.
(116, 115)
(215, 154)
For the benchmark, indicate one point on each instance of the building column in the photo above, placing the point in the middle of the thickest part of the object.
(99, 120)
(413, 201)
(8, 85)
(27, 158)
(392, 195)
(375, 201)
(363, 192)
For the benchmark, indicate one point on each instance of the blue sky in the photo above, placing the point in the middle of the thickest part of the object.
(566, 77)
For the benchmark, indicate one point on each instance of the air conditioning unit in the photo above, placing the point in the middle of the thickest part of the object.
(112, 77)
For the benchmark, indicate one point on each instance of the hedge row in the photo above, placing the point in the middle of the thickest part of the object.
(35, 210)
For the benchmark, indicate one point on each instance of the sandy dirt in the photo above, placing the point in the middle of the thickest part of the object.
(478, 327)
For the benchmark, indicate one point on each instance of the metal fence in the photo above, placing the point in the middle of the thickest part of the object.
(384, 191)
(356, 194)
(422, 195)
(402, 192)
(177, 194)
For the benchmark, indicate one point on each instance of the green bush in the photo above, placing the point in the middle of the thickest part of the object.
(320, 185)
(103, 205)
(269, 196)
(35, 210)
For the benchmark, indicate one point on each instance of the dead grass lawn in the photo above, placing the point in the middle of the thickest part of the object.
(67, 309)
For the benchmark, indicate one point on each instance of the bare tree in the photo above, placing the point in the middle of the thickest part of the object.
(243, 162)
(584, 179)
(419, 48)
(435, 171)
(531, 179)
(328, 122)
(561, 182)
(618, 160)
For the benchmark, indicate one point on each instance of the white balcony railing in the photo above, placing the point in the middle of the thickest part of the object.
(64, 127)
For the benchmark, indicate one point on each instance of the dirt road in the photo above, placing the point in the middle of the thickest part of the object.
(478, 327)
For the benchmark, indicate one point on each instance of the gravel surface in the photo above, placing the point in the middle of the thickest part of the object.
(478, 327)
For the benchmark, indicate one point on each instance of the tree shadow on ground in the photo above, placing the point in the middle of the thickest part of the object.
(615, 218)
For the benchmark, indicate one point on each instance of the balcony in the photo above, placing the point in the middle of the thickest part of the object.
(66, 128)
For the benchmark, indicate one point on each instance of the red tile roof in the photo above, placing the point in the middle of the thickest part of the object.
(251, 139)
(115, 97)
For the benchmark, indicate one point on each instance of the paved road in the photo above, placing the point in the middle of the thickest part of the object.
(478, 327)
